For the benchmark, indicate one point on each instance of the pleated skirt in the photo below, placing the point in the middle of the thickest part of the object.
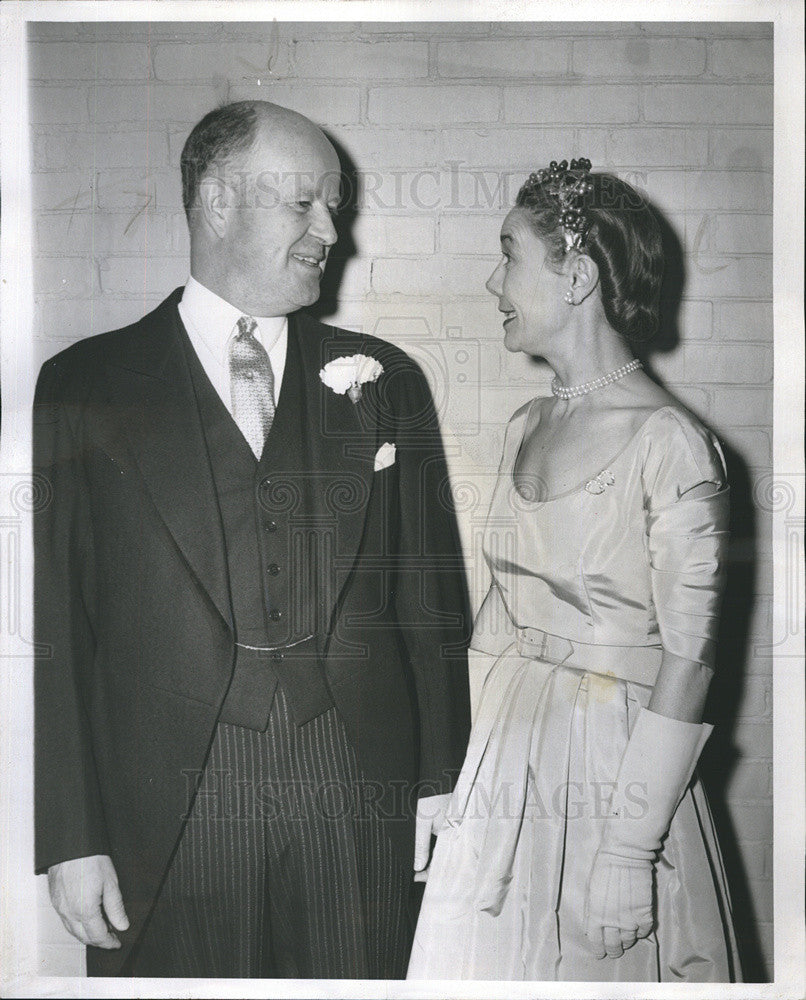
(505, 895)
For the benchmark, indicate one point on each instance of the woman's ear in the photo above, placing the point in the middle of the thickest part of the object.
(214, 204)
(584, 276)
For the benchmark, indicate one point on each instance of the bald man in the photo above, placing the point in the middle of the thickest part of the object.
(250, 586)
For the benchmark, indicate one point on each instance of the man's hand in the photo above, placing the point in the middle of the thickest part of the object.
(430, 820)
(85, 894)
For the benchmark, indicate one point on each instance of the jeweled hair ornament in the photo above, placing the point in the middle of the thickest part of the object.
(568, 185)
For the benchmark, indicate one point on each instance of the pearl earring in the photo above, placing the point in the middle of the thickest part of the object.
(569, 296)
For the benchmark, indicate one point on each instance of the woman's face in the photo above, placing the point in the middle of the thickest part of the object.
(529, 292)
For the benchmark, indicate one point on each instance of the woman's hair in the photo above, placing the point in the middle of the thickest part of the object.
(219, 135)
(621, 235)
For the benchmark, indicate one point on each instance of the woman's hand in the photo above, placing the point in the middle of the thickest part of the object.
(619, 906)
(658, 763)
(431, 812)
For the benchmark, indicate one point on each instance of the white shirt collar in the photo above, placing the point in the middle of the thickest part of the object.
(214, 318)
(210, 323)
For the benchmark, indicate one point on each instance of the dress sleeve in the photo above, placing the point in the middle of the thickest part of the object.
(687, 513)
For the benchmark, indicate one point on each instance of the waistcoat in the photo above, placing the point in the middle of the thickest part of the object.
(274, 623)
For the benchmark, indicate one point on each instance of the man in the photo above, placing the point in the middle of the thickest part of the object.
(251, 589)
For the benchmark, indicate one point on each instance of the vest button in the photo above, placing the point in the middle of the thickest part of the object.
(272, 569)
(270, 526)
(275, 614)
(277, 656)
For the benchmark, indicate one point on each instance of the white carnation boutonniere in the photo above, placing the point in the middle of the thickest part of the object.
(349, 374)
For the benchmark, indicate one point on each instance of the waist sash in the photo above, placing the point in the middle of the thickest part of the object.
(639, 664)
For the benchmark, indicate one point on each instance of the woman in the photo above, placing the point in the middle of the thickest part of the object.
(576, 844)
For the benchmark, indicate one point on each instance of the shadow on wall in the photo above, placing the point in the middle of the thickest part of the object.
(720, 756)
(667, 338)
(345, 248)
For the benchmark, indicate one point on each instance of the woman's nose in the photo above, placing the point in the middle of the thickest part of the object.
(493, 283)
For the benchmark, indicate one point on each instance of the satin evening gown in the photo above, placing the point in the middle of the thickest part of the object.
(587, 589)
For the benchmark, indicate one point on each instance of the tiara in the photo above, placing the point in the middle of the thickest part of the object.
(568, 185)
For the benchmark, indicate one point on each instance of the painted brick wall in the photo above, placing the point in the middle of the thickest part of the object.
(440, 123)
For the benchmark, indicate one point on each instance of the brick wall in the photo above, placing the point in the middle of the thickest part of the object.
(440, 124)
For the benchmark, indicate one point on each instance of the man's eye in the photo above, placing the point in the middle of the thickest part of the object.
(303, 203)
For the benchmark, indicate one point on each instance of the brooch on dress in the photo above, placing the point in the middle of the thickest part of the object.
(598, 483)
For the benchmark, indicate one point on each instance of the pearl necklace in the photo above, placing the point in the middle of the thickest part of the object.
(569, 391)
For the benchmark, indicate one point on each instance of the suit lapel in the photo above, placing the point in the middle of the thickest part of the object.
(341, 440)
(152, 388)
(150, 385)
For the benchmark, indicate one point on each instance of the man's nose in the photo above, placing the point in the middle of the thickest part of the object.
(493, 283)
(322, 227)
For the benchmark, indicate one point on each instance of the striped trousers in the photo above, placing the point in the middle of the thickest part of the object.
(279, 873)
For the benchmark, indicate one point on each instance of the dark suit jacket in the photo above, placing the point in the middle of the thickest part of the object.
(132, 595)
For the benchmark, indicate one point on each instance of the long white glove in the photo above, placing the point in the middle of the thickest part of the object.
(655, 771)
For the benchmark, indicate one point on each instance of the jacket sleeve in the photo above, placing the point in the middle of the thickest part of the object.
(68, 812)
(430, 588)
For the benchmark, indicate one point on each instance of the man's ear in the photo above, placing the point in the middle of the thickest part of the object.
(584, 277)
(214, 198)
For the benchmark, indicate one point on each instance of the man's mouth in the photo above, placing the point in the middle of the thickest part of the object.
(312, 262)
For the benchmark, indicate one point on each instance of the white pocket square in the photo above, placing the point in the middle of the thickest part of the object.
(385, 456)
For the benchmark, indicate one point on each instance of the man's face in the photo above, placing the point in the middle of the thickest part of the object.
(285, 191)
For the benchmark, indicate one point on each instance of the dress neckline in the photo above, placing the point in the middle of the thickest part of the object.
(581, 485)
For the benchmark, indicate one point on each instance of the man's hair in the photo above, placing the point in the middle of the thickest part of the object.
(222, 133)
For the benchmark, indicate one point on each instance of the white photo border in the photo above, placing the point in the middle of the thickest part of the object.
(18, 886)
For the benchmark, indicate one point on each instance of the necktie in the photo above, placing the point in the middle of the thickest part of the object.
(251, 385)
